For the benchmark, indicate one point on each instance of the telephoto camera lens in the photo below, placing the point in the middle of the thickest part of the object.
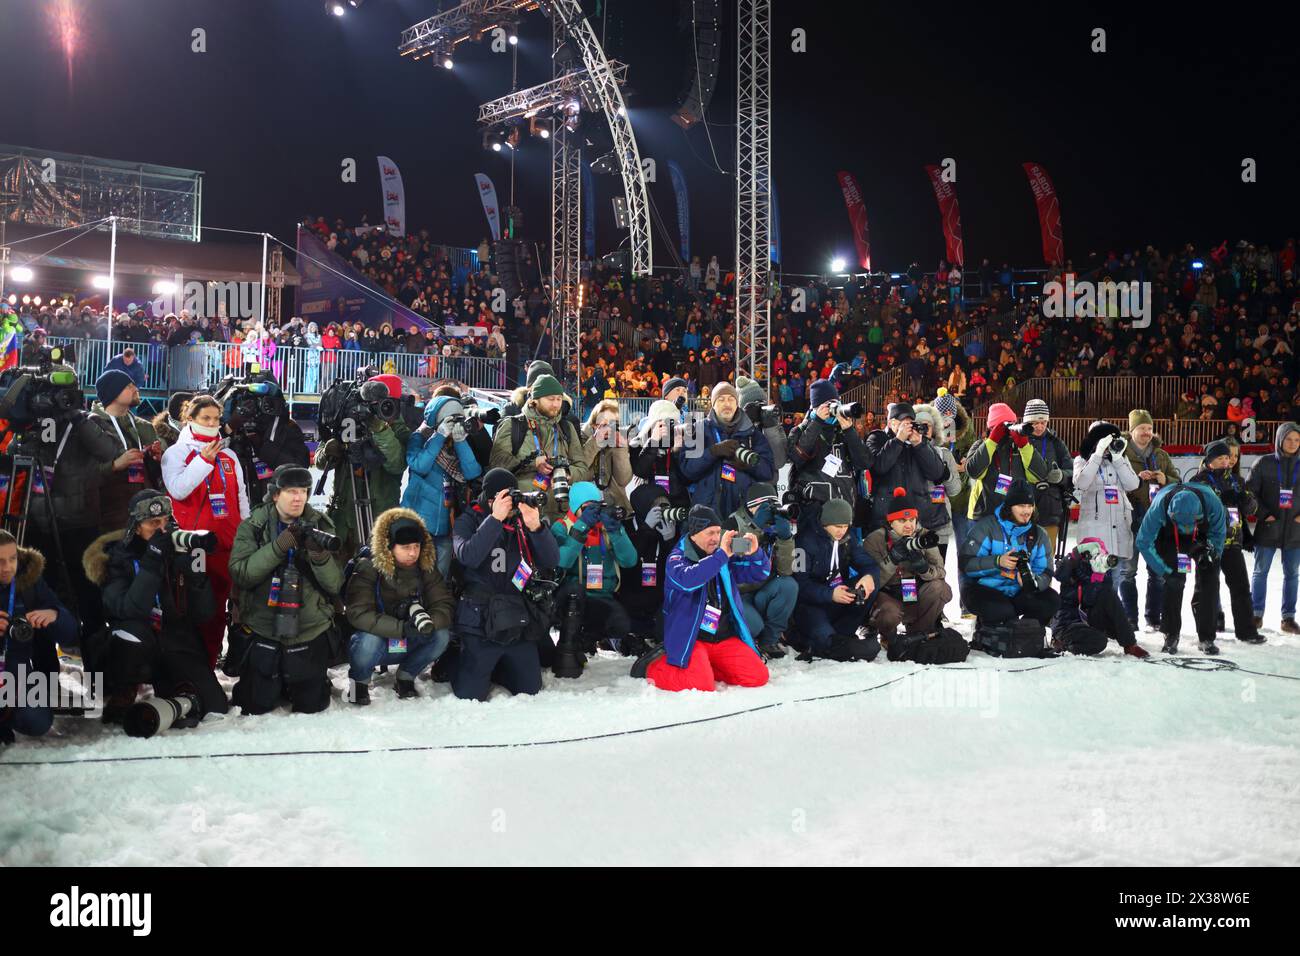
(418, 616)
(20, 629)
(190, 540)
(157, 714)
(323, 539)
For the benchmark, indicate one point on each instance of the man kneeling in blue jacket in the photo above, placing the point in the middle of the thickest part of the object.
(997, 583)
(706, 639)
(1185, 523)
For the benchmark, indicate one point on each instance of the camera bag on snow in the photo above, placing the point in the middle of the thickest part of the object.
(1022, 638)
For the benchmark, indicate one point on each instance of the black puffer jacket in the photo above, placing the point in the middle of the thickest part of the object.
(1267, 478)
(80, 447)
(1051, 500)
(896, 464)
(811, 441)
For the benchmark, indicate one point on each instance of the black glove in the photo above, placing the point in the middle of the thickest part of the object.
(411, 632)
(155, 553)
(724, 449)
(609, 520)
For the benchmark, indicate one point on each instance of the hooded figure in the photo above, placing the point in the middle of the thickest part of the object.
(1103, 477)
(380, 596)
(1273, 483)
(441, 466)
(1186, 523)
(936, 514)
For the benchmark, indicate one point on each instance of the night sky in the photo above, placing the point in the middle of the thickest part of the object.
(1144, 142)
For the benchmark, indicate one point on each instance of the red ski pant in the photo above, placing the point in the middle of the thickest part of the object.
(729, 662)
(214, 630)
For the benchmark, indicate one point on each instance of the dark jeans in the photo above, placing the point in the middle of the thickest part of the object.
(171, 660)
(993, 607)
(1126, 581)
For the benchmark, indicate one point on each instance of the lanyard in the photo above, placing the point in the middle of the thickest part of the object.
(216, 469)
(1294, 466)
(1178, 547)
(12, 587)
(555, 442)
(134, 432)
(157, 598)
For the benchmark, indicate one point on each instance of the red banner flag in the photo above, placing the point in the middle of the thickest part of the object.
(1049, 213)
(946, 195)
(857, 218)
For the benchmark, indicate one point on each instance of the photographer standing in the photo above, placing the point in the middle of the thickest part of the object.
(502, 548)
(1052, 497)
(541, 447)
(706, 639)
(605, 450)
(656, 455)
(367, 460)
(1273, 484)
(1155, 469)
(1003, 457)
(206, 484)
(25, 599)
(136, 467)
(904, 457)
(768, 604)
(1103, 478)
(262, 435)
(1185, 523)
(826, 453)
(754, 402)
(441, 464)
(725, 453)
(66, 490)
(399, 605)
(594, 550)
(913, 591)
(1004, 564)
(287, 578)
(838, 578)
(932, 425)
(154, 596)
(1238, 505)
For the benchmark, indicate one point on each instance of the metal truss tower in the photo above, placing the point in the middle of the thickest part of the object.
(753, 188)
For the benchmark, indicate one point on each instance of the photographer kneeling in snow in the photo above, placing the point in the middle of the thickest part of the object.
(834, 589)
(1091, 612)
(706, 639)
(399, 605)
(912, 589)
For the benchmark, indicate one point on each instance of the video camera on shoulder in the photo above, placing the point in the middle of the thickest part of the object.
(46, 389)
(359, 402)
(764, 416)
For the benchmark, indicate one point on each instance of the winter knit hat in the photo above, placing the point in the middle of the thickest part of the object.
(1020, 493)
(900, 410)
(110, 385)
(1035, 411)
(750, 391)
(545, 385)
(496, 481)
(673, 383)
(901, 506)
(821, 391)
(581, 493)
(1139, 416)
(723, 388)
(701, 517)
(443, 408)
(837, 511)
(1000, 414)
(758, 492)
(662, 410)
(176, 404)
(537, 369)
(1185, 509)
(946, 404)
(1216, 448)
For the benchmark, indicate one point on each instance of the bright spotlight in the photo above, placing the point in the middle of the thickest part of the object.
(27, 300)
(21, 274)
(36, 300)
(102, 282)
(544, 133)
(336, 8)
(496, 147)
(13, 299)
(837, 265)
(1198, 264)
(447, 63)
(514, 40)
(164, 287)
(622, 111)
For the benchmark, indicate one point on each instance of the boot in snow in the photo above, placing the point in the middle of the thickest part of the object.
(1171, 645)
(405, 688)
(642, 663)
(1136, 650)
(1209, 647)
(1289, 626)
(359, 694)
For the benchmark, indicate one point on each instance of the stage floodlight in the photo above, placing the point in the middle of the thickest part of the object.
(837, 264)
(336, 8)
(101, 282)
(164, 287)
(21, 274)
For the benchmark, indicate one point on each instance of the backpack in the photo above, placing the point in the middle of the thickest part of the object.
(519, 431)
(1020, 638)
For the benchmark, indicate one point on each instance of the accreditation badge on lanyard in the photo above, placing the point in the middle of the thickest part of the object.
(134, 471)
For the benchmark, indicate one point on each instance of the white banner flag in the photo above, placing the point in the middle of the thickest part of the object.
(488, 193)
(390, 185)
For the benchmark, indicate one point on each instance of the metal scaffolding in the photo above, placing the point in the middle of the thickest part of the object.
(753, 188)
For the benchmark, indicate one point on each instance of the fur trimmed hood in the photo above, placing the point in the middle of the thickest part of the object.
(95, 560)
(162, 427)
(381, 556)
(930, 415)
(31, 565)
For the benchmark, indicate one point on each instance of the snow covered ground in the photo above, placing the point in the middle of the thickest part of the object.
(1109, 761)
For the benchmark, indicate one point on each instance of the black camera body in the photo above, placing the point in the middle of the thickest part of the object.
(360, 403)
(764, 416)
(534, 499)
(859, 597)
(20, 629)
(322, 539)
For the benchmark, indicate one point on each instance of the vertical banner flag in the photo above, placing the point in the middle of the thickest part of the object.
(683, 208)
(857, 218)
(946, 195)
(1049, 213)
(774, 223)
(488, 193)
(390, 184)
(589, 212)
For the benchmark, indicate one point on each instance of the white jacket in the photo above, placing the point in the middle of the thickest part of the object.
(1112, 523)
(181, 479)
